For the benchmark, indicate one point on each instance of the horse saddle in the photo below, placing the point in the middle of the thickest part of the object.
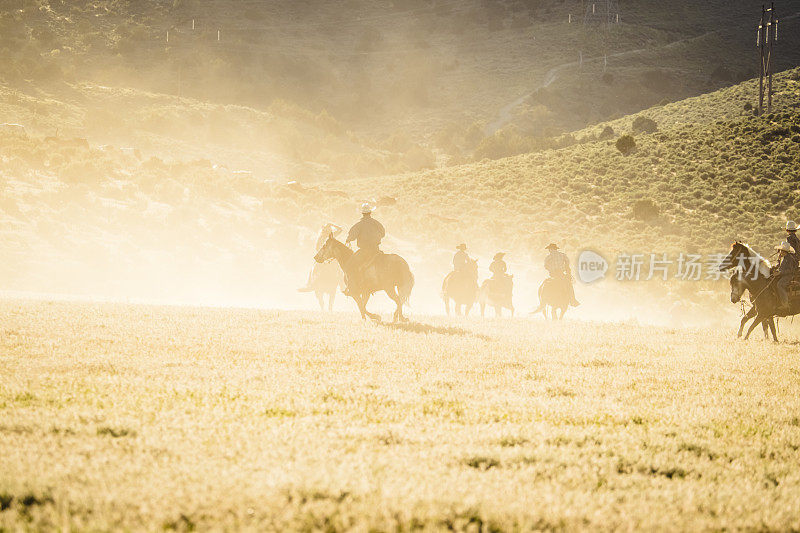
(371, 261)
(500, 285)
(368, 271)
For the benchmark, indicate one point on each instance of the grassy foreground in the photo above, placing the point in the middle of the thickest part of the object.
(137, 417)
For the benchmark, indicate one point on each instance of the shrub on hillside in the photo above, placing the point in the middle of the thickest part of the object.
(626, 144)
(644, 125)
(607, 133)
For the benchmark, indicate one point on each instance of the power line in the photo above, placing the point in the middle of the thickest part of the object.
(767, 35)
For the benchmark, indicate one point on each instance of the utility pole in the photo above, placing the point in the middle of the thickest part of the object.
(766, 37)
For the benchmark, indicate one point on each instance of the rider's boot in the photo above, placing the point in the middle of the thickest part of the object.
(349, 287)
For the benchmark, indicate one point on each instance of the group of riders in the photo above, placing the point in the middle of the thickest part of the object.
(368, 233)
(556, 263)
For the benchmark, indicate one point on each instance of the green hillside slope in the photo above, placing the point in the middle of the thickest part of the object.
(103, 220)
(713, 171)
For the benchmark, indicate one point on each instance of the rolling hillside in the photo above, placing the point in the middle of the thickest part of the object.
(103, 220)
(713, 170)
(327, 90)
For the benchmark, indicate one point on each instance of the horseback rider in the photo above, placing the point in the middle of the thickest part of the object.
(786, 269)
(499, 270)
(498, 267)
(557, 265)
(368, 234)
(461, 258)
(791, 236)
(328, 230)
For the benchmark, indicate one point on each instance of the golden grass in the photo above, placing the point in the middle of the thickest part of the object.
(133, 417)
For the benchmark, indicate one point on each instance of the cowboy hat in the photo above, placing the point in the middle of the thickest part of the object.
(552, 246)
(367, 208)
(785, 247)
(791, 226)
(461, 246)
(499, 255)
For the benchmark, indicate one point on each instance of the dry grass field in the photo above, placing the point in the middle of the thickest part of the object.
(188, 152)
(147, 418)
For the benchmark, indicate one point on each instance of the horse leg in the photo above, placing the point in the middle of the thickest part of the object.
(331, 298)
(373, 316)
(750, 314)
(395, 296)
(447, 305)
(362, 306)
(756, 322)
(772, 329)
(320, 300)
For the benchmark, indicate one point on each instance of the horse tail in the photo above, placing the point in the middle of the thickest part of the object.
(405, 285)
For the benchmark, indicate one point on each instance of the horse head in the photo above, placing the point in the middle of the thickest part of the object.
(327, 251)
(739, 252)
(752, 264)
(738, 285)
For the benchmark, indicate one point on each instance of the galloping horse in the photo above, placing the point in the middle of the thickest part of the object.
(462, 288)
(498, 294)
(751, 272)
(387, 272)
(553, 293)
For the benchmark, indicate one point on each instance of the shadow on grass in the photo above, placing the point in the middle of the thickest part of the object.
(417, 327)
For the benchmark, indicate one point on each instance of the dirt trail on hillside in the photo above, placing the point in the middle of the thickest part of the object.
(505, 114)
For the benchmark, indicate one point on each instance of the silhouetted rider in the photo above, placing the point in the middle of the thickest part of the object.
(461, 258)
(557, 265)
(368, 234)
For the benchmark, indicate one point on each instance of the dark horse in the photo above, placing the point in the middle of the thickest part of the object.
(553, 293)
(751, 273)
(387, 272)
(462, 288)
